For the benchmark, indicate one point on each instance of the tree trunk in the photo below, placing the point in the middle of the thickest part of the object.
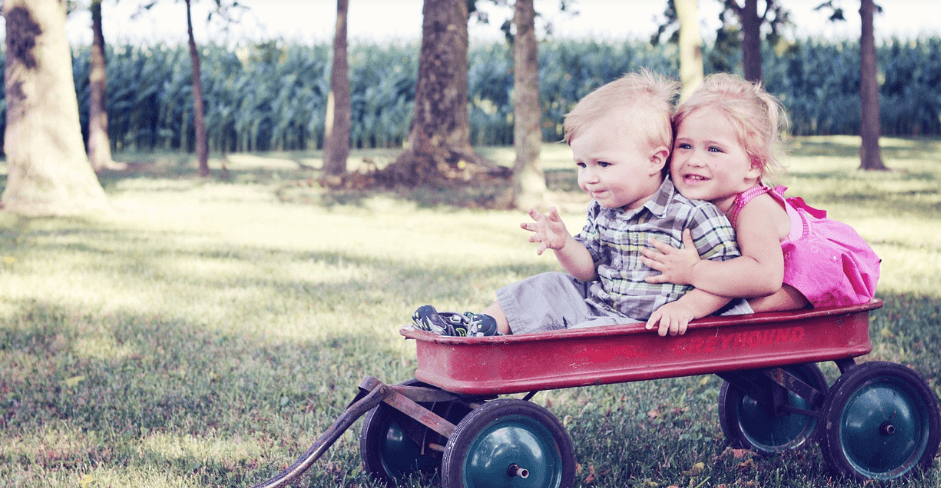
(337, 131)
(199, 114)
(529, 182)
(99, 145)
(870, 129)
(751, 40)
(439, 140)
(48, 172)
(691, 65)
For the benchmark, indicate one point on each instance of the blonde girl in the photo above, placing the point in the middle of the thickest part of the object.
(792, 255)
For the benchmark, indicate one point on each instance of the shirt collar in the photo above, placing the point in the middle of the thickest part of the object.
(656, 205)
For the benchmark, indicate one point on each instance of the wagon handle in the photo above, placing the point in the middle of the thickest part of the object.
(356, 410)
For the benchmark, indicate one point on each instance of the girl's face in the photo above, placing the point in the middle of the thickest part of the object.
(709, 163)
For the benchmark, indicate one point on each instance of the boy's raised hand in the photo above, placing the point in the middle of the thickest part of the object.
(548, 230)
(675, 265)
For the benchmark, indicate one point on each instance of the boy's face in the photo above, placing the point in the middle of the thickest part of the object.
(709, 162)
(615, 166)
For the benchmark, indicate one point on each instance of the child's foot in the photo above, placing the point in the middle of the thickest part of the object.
(481, 324)
(427, 318)
(470, 324)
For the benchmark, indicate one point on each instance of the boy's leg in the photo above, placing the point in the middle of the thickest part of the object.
(496, 311)
(541, 303)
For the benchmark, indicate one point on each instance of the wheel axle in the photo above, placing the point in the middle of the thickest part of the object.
(514, 470)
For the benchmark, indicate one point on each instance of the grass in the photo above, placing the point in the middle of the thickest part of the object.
(208, 330)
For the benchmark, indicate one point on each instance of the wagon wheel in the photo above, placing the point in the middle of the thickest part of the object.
(752, 424)
(508, 442)
(882, 421)
(389, 453)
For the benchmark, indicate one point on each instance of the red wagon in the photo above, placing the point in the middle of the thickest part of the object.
(878, 421)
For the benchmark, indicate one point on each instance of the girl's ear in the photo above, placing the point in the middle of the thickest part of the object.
(659, 159)
(755, 171)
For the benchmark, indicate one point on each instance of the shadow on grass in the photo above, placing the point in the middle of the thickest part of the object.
(145, 393)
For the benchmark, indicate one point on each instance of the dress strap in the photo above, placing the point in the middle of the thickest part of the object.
(744, 197)
(799, 202)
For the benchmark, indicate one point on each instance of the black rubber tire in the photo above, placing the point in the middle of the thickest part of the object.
(748, 424)
(388, 455)
(503, 433)
(881, 422)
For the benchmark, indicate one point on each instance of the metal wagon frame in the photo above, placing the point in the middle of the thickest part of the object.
(877, 421)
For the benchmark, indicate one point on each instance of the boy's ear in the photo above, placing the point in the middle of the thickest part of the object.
(659, 159)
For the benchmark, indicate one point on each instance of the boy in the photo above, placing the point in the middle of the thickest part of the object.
(620, 136)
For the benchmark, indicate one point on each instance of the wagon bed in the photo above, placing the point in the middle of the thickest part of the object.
(623, 353)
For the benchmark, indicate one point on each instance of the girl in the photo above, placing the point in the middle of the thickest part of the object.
(726, 133)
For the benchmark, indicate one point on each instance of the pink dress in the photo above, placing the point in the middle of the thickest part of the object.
(824, 259)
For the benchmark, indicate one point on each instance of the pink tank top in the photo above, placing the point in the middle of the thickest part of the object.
(799, 225)
(824, 259)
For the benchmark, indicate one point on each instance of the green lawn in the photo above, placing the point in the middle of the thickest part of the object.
(208, 330)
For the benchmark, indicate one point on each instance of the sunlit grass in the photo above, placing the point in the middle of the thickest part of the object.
(207, 330)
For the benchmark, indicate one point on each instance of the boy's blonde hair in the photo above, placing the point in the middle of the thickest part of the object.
(642, 101)
(758, 117)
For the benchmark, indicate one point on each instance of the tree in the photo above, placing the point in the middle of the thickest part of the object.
(691, 68)
(439, 145)
(199, 111)
(727, 36)
(337, 120)
(529, 182)
(870, 126)
(224, 11)
(99, 145)
(774, 15)
(48, 172)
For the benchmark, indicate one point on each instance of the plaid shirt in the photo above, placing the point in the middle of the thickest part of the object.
(615, 237)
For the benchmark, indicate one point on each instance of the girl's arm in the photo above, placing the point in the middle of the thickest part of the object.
(550, 232)
(759, 271)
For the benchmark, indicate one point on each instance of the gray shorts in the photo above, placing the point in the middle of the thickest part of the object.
(556, 301)
(552, 301)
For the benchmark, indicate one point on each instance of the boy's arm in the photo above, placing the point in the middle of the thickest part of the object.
(575, 258)
(673, 318)
(550, 232)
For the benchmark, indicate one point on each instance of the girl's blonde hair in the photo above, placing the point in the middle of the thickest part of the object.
(641, 101)
(757, 116)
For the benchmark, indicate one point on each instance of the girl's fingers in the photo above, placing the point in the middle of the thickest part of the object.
(661, 246)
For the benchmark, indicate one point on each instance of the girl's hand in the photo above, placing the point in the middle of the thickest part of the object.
(548, 230)
(675, 265)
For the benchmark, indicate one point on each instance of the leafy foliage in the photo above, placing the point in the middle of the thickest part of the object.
(272, 95)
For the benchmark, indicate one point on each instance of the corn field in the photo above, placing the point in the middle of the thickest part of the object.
(272, 95)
